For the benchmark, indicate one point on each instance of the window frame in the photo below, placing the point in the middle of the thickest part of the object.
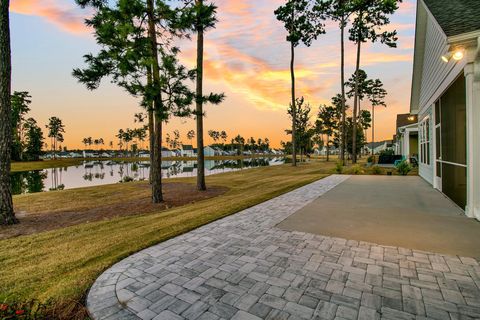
(425, 141)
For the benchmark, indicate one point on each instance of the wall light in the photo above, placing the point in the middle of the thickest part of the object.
(458, 54)
(446, 57)
(411, 118)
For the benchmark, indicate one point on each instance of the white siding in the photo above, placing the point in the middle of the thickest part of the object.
(426, 171)
(435, 70)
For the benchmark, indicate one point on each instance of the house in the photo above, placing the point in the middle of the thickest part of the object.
(406, 138)
(144, 154)
(188, 151)
(166, 153)
(211, 151)
(323, 151)
(378, 146)
(446, 98)
(75, 155)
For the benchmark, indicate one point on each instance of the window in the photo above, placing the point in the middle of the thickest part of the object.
(425, 139)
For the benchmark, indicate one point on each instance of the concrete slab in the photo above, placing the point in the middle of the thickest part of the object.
(390, 210)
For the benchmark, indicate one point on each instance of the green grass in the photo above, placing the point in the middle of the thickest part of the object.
(59, 266)
(40, 165)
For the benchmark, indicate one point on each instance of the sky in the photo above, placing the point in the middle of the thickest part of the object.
(246, 57)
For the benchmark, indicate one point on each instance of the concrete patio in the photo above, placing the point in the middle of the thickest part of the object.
(244, 267)
(390, 210)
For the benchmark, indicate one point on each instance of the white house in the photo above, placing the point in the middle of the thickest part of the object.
(378, 146)
(407, 136)
(209, 151)
(188, 151)
(167, 153)
(446, 98)
(323, 151)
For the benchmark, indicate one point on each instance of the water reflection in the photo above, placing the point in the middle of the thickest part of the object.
(96, 173)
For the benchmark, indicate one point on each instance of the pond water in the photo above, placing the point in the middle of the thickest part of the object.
(95, 173)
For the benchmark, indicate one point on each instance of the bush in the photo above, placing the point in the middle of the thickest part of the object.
(356, 169)
(404, 168)
(387, 152)
(127, 179)
(377, 170)
(338, 167)
(370, 159)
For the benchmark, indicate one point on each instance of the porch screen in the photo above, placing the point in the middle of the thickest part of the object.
(453, 136)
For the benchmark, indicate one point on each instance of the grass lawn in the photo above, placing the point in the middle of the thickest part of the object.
(45, 164)
(59, 266)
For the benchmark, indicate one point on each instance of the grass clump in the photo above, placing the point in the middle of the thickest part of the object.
(376, 170)
(339, 167)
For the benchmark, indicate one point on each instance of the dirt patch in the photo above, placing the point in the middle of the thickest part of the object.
(175, 195)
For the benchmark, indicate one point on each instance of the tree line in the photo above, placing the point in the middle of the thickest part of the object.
(363, 20)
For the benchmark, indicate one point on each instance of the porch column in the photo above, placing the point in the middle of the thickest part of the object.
(472, 79)
(406, 143)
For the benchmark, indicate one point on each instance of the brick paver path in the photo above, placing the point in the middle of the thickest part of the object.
(243, 267)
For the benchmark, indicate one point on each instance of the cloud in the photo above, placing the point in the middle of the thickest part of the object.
(65, 17)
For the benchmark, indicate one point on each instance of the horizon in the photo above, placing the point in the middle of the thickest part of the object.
(246, 57)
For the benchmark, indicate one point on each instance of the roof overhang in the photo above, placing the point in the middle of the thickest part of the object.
(469, 41)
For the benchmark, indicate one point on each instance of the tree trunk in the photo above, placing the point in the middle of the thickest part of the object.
(343, 145)
(355, 106)
(7, 215)
(294, 107)
(151, 127)
(373, 130)
(157, 195)
(328, 151)
(201, 185)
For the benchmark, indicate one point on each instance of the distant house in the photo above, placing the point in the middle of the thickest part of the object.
(188, 151)
(323, 151)
(166, 153)
(88, 154)
(209, 151)
(406, 142)
(378, 146)
(446, 98)
(74, 155)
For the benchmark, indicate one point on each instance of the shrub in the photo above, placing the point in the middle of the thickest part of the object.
(404, 168)
(387, 152)
(127, 179)
(377, 170)
(338, 167)
(370, 159)
(356, 169)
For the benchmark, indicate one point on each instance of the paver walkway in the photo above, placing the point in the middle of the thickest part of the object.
(243, 267)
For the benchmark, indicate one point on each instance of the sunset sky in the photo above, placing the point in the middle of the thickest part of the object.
(247, 57)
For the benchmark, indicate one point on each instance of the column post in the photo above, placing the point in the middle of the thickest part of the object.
(472, 82)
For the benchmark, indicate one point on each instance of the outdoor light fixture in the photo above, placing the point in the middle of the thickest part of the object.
(457, 55)
(446, 57)
(411, 118)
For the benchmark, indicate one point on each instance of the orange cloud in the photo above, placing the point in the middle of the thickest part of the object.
(64, 17)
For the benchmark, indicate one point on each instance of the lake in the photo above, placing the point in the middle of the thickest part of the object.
(95, 173)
